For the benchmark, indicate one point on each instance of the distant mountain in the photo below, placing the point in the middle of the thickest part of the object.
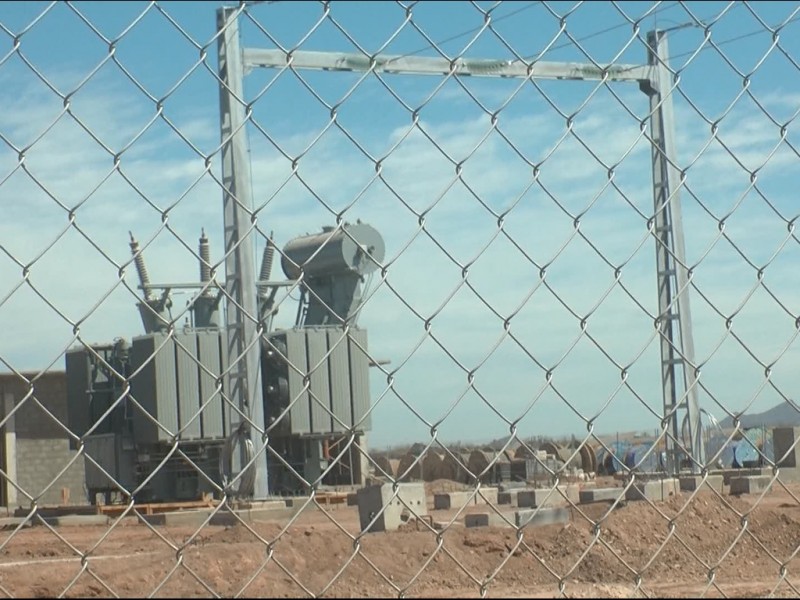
(782, 415)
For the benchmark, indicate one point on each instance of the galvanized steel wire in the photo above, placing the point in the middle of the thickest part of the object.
(460, 176)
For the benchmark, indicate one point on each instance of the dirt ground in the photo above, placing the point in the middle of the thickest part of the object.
(132, 559)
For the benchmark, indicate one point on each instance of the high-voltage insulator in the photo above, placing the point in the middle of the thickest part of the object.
(152, 310)
(205, 258)
(205, 305)
(141, 269)
(266, 260)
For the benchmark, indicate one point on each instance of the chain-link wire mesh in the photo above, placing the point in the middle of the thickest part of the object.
(476, 370)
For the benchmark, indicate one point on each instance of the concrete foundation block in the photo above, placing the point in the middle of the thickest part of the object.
(456, 500)
(544, 497)
(372, 499)
(655, 490)
(689, 483)
(753, 484)
(573, 492)
(507, 497)
(728, 474)
(541, 517)
(276, 514)
(788, 474)
(191, 518)
(487, 494)
(265, 505)
(453, 500)
(226, 518)
(484, 520)
(600, 495)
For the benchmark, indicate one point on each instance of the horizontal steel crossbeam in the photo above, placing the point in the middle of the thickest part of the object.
(416, 65)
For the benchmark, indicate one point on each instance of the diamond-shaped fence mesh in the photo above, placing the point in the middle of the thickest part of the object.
(399, 298)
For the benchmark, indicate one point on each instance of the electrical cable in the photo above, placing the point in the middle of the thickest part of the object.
(247, 478)
(736, 39)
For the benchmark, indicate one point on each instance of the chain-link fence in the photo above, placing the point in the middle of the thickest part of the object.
(532, 331)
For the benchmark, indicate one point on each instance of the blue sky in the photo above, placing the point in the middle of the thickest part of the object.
(159, 169)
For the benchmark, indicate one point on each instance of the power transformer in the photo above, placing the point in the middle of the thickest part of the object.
(338, 393)
(153, 413)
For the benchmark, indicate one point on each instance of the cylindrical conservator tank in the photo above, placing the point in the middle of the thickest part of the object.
(337, 252)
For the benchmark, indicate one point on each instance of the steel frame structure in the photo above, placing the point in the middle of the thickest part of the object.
(678, 367)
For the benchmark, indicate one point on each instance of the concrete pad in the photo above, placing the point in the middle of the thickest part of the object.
(749, 485)
(728, 474)
(227, 518)
(600, 495)
(188, 518)
(690, 483)
(456, 500)
(512, 485)
(266, 504)
(77, 520)
(654, 490)
(541, 517)
(12, 522)
(223, 517)
(453, 500)
(484, 520)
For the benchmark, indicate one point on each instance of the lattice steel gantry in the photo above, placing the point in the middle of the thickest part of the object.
(678, 367)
